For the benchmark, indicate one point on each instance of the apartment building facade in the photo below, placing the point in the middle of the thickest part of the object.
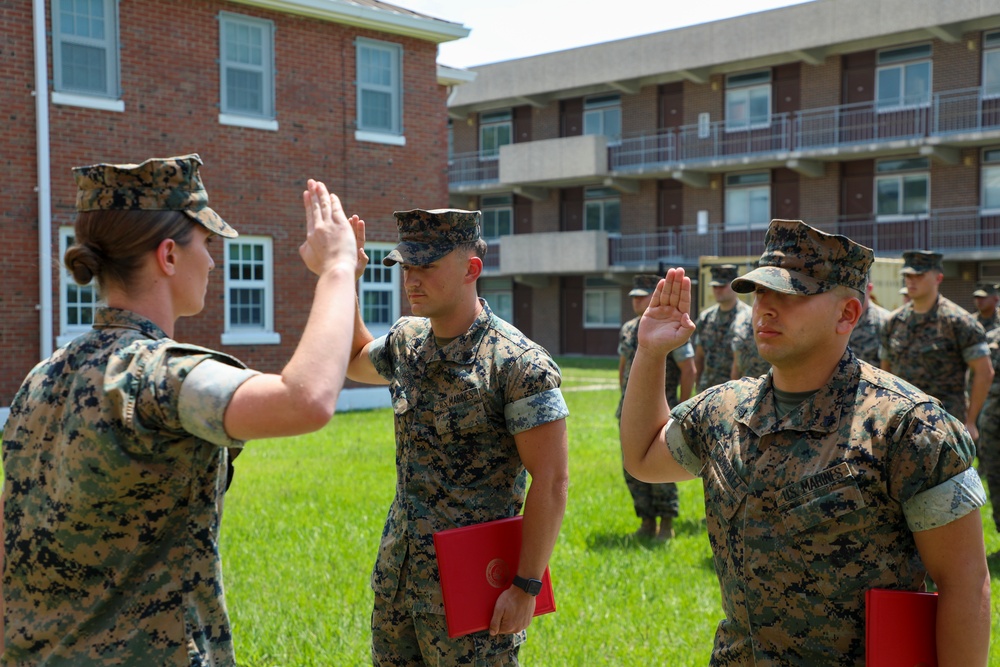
(879, 119)
(269, 93)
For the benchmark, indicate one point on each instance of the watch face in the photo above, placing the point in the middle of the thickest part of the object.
(534, 587)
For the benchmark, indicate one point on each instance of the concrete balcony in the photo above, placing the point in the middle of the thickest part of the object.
(564, 161)
(553, 253)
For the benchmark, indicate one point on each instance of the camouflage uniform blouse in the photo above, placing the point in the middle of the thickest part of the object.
(715, 331)
(932, 350)
(628, 343)
(745, 354)
(989, 323)
(867, 335)
(807, 512)
(457, 411)
(111, 506)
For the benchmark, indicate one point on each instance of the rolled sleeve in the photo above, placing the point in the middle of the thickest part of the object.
(527, 413)
(679, 450)
(975, 351)
(946, 502)
(204, 397)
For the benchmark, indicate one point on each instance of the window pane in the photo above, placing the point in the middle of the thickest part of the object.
(915, 194)
(889, 85)
(84, 68)
(246, 307)
(737, 107)
(918, 84)
(612, 216)
(737, 207)
(991, 73)
(244, 91)
(376, 307)
(760, 105)
(376, 110)
(592, 216)
(760, 206)
(887, 196)
(592, 123)
(593, 307)
(991, 187)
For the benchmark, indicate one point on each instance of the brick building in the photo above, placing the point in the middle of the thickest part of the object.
(269, 93)
(879, 119)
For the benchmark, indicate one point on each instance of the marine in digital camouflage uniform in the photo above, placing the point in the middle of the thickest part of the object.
(867, 335)
(114, 476)
(931, 342)
(988, 445)
(717, 326)
(116, 450)
(473, 410)
(986, 298)
(653, 501)
(816, 493)
(747, 361)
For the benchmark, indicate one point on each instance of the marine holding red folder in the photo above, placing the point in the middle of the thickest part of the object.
(823, 479)
(477, 408)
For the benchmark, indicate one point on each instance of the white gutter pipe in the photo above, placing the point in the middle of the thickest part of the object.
(44, 186)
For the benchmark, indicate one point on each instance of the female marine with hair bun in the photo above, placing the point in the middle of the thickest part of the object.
(115, 453)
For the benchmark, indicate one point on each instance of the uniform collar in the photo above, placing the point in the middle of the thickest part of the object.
(116, 318)
(818, 413)
(461, 350)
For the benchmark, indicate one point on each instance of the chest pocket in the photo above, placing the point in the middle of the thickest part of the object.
(461, 418)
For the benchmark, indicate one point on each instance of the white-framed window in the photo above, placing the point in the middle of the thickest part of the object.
(499, 293)
(903, 78)
(378, 290)
(902, 188)
(77, 303)
(991, 64)
(990, 175)
(748, 200)
(748, 101)
(602, 303)
(249, 288)
(602, 115)
(602, 210)
(380, 103)
(495, 130)
(246, 71)
(85, 48)
(498, 216)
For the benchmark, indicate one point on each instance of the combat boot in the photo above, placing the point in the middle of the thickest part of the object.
(647, 529)
(666, 531)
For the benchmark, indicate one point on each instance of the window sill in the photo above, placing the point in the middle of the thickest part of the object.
(910, 217)
(235, 120)
(68, 336)
(251, 338)
(380, 138)
(88, 101)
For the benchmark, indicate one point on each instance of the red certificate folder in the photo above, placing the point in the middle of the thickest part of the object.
(476, 564)
(900, 628)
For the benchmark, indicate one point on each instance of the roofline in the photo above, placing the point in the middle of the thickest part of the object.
(341, 11)
(806, 32)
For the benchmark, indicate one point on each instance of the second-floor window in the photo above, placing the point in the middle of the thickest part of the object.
(379, 88)
(602, 114)
(991, 64)
(498, 216)
(249, 288)
(902, 188)
(494, 132)
(602, 210)
(748, 100)
(246, 62)
(748, 200)
(602, 303)
(85, 47)
(903, 78)
(991, 180)
(78, 302)
(378, 290)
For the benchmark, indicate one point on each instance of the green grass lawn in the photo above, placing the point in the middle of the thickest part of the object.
(304, 517)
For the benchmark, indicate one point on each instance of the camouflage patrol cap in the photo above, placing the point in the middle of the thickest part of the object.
(986, 291)
(723, 274)
(799, 259)
(427, 236)
(921, 261)
(644, 284)
(158, 184)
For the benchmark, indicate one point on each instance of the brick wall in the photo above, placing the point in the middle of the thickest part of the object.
(170, 84)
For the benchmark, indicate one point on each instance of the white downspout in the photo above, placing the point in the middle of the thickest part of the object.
(44, 186)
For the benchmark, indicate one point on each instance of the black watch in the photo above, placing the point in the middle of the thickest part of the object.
(530, 586)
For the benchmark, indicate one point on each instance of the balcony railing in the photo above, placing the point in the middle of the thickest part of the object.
(949, 113)
(962, 230)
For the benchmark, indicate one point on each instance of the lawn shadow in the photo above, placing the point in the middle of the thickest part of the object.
(608, 541)
(993, 562)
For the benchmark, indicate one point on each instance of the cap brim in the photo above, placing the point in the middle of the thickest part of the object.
(980, 293)
(909, 270)
(213, 222)
(640, 292)
(719, 283)
(779, 280)
(416, 254)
